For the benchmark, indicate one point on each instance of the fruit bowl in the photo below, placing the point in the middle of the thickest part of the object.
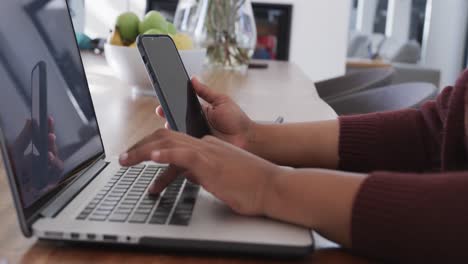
(129, 67)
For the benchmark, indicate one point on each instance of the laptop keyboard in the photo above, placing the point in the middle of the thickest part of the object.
(125, 199)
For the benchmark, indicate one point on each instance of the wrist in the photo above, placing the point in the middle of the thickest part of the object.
(251, 136)
(272, 192)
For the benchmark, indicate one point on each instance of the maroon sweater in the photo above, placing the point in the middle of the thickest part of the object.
(414, 206)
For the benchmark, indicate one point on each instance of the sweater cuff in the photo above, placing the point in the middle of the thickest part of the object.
(358, 137)
(387, 215)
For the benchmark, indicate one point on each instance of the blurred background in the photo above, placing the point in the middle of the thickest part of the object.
(424, 40)
(415, 34)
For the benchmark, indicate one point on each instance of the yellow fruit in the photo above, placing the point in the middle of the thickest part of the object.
(116, 39)
(183, 41)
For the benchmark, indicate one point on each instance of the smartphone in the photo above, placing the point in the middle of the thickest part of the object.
(172, 84)
(40, 124)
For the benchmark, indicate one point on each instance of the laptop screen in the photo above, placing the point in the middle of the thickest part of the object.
(48, 124)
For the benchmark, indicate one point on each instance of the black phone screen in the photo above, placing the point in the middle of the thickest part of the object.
(173, 86)
(40, 129)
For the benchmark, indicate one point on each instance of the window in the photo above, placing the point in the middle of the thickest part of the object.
(380, 21)
(418, 17)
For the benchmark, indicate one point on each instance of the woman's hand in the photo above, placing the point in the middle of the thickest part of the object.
(226, 119)
(236, 177)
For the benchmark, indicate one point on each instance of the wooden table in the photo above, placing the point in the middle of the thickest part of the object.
(125, 118)
(358, 63)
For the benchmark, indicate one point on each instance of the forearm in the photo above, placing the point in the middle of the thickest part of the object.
(319, 199)
(312, 144)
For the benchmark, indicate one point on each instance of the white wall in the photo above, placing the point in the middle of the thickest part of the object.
(101, 14)
(319, 31)
(445, 37)
(319, 36)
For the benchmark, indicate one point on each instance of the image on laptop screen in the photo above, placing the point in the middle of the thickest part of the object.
(46, 113)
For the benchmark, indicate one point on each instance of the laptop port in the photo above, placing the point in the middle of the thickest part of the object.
(109, 238)
(75, 236)
(91, 236)
(54, 235)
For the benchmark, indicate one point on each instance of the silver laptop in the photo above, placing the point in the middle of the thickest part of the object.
(65, 188)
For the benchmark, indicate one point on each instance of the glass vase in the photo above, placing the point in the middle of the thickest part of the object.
(185, 17)
(226, 28)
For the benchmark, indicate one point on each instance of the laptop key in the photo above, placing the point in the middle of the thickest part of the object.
(103, 212)
(105, 207)
(111, 199)
(118, 217)
(181, 220)
(145, 206)
(116, 194)
(98, 217)
(138, 218)
(87, 211)
(143, 210)
(82, 216)
(158, 219)
(124, 210)
(132, 204)
(108, 204)
(123, 205)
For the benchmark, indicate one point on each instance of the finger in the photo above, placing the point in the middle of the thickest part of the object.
(204, 92)
(163, 139)
(160, 112)
(205, 108)
(55, 162)
(51, 123)
(157, 135)
(163, 180)
(187, 158)
(147, 139)
(191, 178)
(167, 126)
(52, 144)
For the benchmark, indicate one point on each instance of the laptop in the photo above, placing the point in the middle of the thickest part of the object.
(64, 186)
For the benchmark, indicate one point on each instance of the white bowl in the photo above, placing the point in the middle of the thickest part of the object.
(129, 67)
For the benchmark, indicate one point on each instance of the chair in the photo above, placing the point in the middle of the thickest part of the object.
(354, 82)
(388, 98)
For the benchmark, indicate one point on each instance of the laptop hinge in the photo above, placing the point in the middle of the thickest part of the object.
(68, 194)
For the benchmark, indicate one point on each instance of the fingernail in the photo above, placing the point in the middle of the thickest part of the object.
(51, 156)
(54, 137)
(155, 155)
(153, 189)
(123, 157)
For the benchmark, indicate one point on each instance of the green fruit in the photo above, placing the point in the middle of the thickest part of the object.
(127, 24)
(154, 32)
(153, 20)
(171, 29)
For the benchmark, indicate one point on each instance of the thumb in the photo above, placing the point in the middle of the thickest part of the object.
(204, 92)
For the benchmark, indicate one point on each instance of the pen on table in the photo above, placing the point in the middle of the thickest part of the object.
(279, 120)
